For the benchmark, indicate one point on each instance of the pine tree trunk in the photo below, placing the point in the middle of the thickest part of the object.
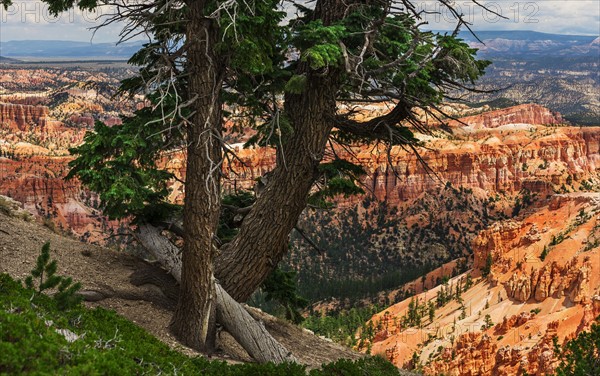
(194, 319)
(263, 238)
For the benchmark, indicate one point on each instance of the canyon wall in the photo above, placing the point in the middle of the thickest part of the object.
(512, 154)
(38, 183)
(521, 114)
(544, 281)
(494, 162)
(506, 158)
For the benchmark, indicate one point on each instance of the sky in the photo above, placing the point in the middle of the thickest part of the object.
(30, 19)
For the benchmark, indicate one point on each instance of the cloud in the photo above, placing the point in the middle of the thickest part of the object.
(549, 16)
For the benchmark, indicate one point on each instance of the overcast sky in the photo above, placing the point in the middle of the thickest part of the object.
(30, 19)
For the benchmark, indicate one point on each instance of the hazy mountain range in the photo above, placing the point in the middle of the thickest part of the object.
(532, 44)
(495, 43)
(67, 49)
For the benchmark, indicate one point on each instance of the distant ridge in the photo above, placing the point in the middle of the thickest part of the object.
(68, 49)
(526, 35)
(5, 60)
(531, 44)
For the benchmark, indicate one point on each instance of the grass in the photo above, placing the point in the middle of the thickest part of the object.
(33, 341)
(8, 208)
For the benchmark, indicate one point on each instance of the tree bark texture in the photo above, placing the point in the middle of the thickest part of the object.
(249, 333)
(169, 257)
(194, 319)
(263, 238)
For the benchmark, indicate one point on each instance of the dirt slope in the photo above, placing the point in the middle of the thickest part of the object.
(108, 272)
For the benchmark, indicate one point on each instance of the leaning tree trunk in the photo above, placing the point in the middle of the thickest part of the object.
(249, 333)
(194, 319)
(263, 238)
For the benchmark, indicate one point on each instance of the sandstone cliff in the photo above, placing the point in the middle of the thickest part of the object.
(503, 159)
(22, 117)
(521, 114)
(508, 161)
(38, 183)
(512, 154)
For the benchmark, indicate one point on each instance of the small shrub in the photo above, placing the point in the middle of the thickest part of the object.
(46, 278)
(5, 206)
(49, 224)
(487, 268)
(585, 185)
(26, 216)
(367, 366)
(487, 322)
(544, 253)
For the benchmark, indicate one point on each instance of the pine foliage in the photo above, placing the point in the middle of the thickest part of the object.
(43, 277)
(581, 355)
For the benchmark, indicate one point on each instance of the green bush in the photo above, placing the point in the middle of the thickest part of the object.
(46, 278)
(371, 366)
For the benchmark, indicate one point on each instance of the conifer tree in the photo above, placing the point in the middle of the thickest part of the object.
(297, 84)
(581, 355)
(44, 276)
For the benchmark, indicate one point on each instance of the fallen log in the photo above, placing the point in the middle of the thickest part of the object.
(249, 333)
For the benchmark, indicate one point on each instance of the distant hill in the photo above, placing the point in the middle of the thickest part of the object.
(6, 60)
(526, 35)
(532, 43)
(557, 71)
(68, 49)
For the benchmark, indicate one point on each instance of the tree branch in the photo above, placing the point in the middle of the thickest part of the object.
(385, 127)
(309, 240)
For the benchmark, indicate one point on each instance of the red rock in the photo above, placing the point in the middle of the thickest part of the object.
(521, 114)
(22, 117)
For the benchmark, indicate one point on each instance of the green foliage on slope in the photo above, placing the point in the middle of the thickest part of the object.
(581, 355)
(46, 278)
(341, 326)
(36, 337)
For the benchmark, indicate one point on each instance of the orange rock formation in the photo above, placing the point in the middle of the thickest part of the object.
(530, 297)
(521, 114)
(22, 117)
(506, 158)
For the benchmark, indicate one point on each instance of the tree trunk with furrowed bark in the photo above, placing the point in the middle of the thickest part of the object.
(194, 319)
(245, 262)
(263, 238)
